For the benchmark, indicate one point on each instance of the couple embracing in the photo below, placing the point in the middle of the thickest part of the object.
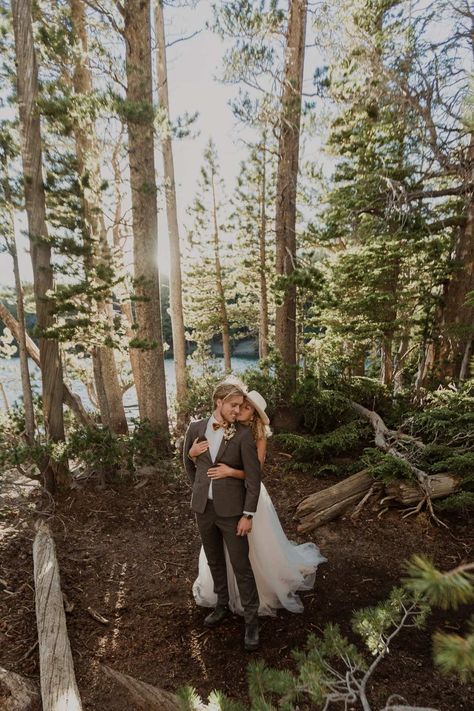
(247, 564)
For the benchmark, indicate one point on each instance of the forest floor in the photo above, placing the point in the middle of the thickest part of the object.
(130, 554)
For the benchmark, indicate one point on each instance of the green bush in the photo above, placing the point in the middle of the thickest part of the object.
(447, 418)
(343, 439)
(322, 409)
(385, 467)
(456, 463)
(461, 502)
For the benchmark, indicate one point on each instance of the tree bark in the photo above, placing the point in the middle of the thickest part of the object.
(386, 360)
(408, 493)
(176, 292)
(262, 241)
(40, 247)
(20, 310)
(457, 320)
(149, 342)
(225, 330)
(69, 398)
(123, 294)
(287, 177)
(58, 682)
(108, 388)
(401, 354)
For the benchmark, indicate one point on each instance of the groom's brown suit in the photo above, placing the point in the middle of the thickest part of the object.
(217, 519)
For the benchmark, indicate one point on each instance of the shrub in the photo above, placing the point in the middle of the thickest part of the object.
(341, 440)
(386, 467)
(322, 409)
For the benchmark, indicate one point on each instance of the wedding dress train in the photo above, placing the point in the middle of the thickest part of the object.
(281, 568)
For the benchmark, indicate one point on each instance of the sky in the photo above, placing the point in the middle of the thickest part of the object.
(193, 69)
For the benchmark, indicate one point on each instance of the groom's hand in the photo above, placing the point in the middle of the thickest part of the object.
(199, 446)
(244, 526)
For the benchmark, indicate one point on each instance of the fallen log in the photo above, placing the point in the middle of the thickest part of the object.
(326, 505)
(406, 492)
(18, 693)
(394, 443)
(318, 518)
(144, 696)
(58, 682)
(353, 486)
(69, 398)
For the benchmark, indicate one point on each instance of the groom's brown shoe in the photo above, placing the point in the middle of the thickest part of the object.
(219, 613)
(252, 640)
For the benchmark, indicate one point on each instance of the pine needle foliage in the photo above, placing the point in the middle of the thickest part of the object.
(308, 449)
(461, 502)
(190, 700)
(454, 653)
(458, 463)
(447, 418)
(446, 590)
(386, 467)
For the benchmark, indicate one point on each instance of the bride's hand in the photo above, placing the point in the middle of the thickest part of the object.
(198, 448)
(220, 471)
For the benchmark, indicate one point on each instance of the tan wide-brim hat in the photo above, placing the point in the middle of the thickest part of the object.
(259, 404)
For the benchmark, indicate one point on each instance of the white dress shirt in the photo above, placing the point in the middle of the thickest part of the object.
(214, 437)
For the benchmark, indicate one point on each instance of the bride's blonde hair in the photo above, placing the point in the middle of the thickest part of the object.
(258, 429)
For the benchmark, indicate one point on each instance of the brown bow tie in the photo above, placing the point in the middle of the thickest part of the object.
(217, 425)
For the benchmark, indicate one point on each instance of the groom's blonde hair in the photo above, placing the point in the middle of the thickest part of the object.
(225, 390)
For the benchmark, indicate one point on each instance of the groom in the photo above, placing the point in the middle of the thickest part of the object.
(224, 507)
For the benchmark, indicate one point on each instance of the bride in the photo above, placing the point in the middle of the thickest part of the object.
(281, 568)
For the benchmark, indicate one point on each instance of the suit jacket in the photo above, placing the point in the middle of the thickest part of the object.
(231, 496)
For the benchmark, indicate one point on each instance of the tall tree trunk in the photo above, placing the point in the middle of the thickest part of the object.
(119, 258)
(149, 341)
(50, 358)
(457, 316)
(108, 388)
(176, 292)
(20, 312)
(225, 330)
(386, 359)
(287, 177)
(23, 351)
(263, 294)
(401, 353)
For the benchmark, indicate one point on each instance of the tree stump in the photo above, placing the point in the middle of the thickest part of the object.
(59, 690)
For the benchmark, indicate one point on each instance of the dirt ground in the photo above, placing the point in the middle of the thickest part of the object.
(130, 554)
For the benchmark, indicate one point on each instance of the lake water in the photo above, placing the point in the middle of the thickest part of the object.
(11, 382)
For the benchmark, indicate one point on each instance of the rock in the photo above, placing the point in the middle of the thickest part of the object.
(18, 693)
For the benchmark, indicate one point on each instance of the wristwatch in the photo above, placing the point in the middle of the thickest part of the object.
(248, 516)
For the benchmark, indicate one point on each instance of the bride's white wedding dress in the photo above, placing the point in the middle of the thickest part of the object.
(281, 568)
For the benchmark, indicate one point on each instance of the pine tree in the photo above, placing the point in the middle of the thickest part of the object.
(287, 177)
(139, 112)
(10, 201)
(389, 243)
(175, 283)
(206, 299)
(252, 221)
(51, 366)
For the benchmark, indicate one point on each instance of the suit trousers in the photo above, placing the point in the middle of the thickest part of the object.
(215, 530)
